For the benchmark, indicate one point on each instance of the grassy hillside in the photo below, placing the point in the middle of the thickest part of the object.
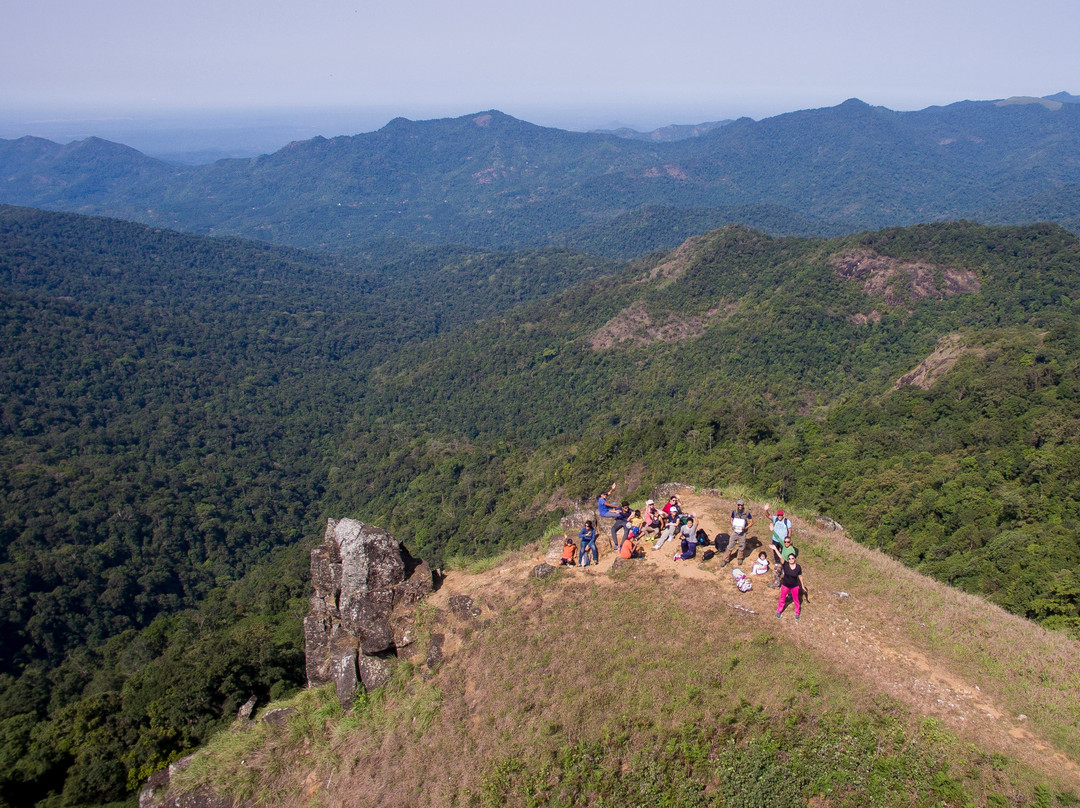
(648, 687)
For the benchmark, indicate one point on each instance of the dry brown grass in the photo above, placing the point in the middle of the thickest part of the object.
(637, 655)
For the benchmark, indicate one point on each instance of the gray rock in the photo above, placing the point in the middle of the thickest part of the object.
(574, 522)
(435, 650)
(375, 671)
(554, 551)
(366, 589)
(245, 711)
(346, 678)
(663, 492)
(318, 628)
(542, 571)
(278, 716)
(462, 606)
(419, 584)
(156, 792)
(366, 615)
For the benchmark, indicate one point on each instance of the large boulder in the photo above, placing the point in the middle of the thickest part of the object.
(367, 586)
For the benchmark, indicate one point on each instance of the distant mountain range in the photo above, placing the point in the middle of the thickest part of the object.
(490, 180)
(665, 134)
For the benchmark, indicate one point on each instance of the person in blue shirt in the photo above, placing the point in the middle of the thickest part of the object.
(587, 537)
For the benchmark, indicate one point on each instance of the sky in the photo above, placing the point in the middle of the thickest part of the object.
(575, 64)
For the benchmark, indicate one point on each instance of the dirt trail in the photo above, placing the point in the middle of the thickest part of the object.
(851, 628)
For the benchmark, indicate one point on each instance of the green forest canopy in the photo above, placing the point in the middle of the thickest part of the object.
(181, 414)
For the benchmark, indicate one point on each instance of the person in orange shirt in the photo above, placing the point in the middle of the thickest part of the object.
(630, 549)
(569, 549)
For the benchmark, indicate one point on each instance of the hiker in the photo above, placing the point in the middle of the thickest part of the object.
(622, 522)
(792, 582)
(761, 566)
(781, 528)
(672, 504)
(668, 527)
(689, 540)
(741, 522)
(606, 511)
(587, 537)
(637, 521)
(786, 551)
(569, 549)
(630, 548)
(653, 517)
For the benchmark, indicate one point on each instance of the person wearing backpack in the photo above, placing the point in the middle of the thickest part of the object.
(781, 529)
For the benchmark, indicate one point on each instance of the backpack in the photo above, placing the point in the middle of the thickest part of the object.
(741, 581)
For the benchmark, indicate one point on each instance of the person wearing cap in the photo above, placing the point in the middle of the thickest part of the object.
(741, 522)
(781, 529)
(673, 525)
(652, 517)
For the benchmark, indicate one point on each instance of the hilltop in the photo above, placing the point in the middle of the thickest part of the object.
(663, 684)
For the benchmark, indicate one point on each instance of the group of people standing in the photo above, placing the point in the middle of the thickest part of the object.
(671, 521)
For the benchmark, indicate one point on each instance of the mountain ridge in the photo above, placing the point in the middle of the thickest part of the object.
(490, 180)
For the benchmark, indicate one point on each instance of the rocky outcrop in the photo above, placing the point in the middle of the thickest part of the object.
(364, 607)
(156, 794)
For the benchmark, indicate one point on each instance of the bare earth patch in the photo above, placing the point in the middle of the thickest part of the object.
(634, 325)
(675, 266)
(949, 349)
(901, 282)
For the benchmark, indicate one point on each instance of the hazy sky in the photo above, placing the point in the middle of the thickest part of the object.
(569, 63)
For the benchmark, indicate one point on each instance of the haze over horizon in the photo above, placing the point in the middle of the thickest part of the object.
(293, 71)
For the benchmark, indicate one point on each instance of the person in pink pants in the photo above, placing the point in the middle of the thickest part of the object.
(791, 582)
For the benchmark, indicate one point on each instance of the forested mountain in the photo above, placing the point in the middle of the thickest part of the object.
(181, 413)
(492, 181)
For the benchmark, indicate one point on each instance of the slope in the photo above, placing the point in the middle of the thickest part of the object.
(662, 684)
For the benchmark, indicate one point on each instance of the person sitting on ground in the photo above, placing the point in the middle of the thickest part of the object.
(791, 583)
(653, 516)
(741, 522)
(788, 550)
(630, 548)
(689, 540)
(569, 549)
(637, 521)
(602, 507)
(622, 522)
(587, 537)
(761, 566)
(672, 503)
(672, 528)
